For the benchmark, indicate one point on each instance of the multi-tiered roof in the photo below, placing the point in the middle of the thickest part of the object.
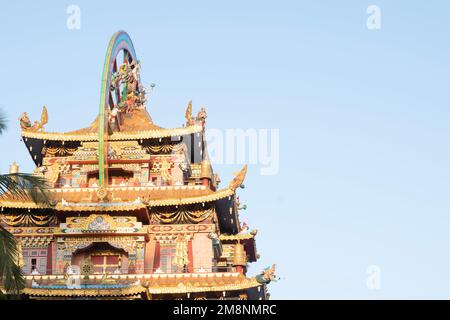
(127, 188)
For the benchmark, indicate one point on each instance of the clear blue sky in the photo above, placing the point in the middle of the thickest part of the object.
(363, 117)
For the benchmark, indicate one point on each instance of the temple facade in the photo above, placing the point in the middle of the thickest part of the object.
(135, 210)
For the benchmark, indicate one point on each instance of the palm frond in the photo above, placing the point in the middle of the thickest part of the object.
(22, 186)
(10, 273)
(2, 122)
(25, 187)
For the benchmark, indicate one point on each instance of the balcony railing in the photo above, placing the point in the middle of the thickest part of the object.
(115, 280)
(141, 186)
(112, 271)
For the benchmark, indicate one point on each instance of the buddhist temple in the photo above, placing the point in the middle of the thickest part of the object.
(135, 210)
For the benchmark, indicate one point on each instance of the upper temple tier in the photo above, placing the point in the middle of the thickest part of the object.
(135, 125)
(134, 211)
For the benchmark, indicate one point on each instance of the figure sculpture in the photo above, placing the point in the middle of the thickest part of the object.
(267, 275)
(25, 122)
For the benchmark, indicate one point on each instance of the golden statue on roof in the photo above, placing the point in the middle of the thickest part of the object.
(25, 122)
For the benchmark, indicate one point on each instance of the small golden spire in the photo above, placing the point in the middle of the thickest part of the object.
(14, 168)
(188, 114)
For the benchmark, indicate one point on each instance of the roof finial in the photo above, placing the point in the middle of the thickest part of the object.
(188, 114)
(238, 179)
(14, 168)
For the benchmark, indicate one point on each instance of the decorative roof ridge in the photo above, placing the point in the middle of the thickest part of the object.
(121, 207)
(85, 292)
(242, 236)
(20, 204)
(238, 179)
(147, 276)
(128, 188)
(70, 207)
(245, 283)
(133, 205)
(107, 204)
(223, 193)
(220, 194)
(148, 134)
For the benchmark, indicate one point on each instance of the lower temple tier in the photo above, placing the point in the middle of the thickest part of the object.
(190, 286)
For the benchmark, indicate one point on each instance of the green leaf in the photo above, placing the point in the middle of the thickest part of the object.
(10, 273)
(26, 187)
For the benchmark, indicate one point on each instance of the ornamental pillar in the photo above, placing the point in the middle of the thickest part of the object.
(63, 257)
(240, 258)
(205, 172)
(139, 257)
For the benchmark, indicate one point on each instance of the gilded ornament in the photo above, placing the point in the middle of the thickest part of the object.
(238, 179)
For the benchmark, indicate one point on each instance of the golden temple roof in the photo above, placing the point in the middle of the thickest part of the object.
(191, 200)
(137, 121)
(153, 284)
(175, 199)
(137, 125)
(126, 198)
(72, 206)
(241, 284)
(148, 134)
(127, 193)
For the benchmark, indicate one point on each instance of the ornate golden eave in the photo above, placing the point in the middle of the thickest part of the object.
(116, 136)
(158, 284)
(243, 236)
(133, 291)
(22, 205)
(247, 283)
(191, 200)
(238, 179)
(60, 207)
(120, 207)
(120, 292)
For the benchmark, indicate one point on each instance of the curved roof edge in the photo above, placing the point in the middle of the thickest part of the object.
(149, 134)
(85, 292)
(245, 283)
(220, 194)
(131, 206)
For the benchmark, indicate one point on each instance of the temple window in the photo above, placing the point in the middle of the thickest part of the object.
(116, 176)
(105, 263)
(103, 257)
(35, 260)
(33, 264)
(173, 256)
(167, 256)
